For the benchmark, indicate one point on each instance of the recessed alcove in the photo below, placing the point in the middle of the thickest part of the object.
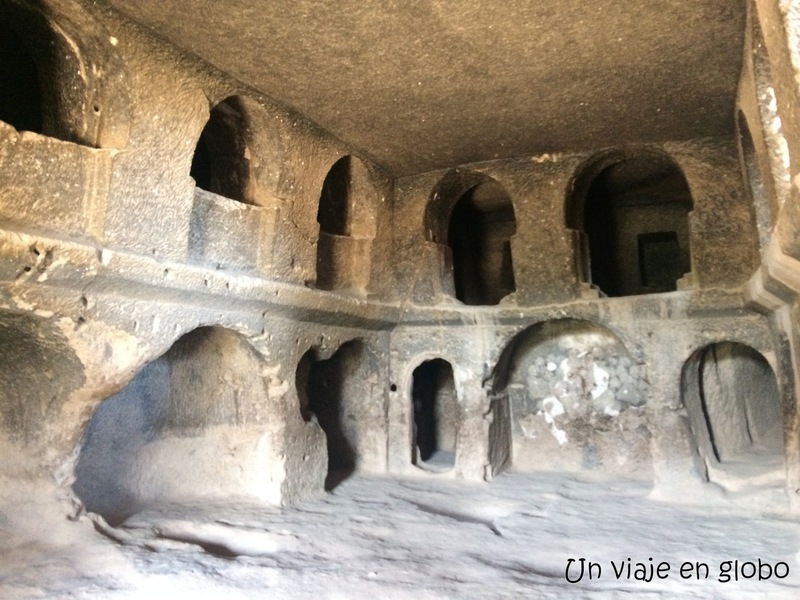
(482, 224)
(632, 211)
(470, 217)
(346, 218)
(733, 400)
(56, 80)
(436, 416)
(567, 394)
(175, 432)
(221, 162)
(322, 386)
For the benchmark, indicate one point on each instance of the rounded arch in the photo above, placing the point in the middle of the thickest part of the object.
(238, 152)
(347, 215)
(631, 208)
(444, 196)
(208, 380)
(61, 78)
(473, 215)
(334, 210)
(552, 380)
(435, 411)
(221, 162)
(731, 395)
(347, 200)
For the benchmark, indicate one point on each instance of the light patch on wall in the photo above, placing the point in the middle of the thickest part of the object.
(552, 408)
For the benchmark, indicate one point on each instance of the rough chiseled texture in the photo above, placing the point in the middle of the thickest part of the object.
(252, 249)
(425, 85)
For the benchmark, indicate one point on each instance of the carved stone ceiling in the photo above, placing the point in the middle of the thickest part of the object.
(418, 85)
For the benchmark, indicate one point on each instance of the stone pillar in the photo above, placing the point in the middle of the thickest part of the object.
(472, 446)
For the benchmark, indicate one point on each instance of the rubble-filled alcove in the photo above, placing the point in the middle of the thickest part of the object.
(735, 410)
(575, 400)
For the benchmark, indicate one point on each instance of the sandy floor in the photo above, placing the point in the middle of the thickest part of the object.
(409, 538)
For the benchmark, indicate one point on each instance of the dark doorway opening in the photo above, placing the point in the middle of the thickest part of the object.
(481, 226)
(435, 432)
(659, 260)
(220, 164)
(634, 218)
(322, 387)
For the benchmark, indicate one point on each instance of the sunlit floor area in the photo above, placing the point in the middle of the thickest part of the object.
(423, 537)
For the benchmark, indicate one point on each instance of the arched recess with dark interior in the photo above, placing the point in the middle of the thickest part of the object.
(221, 162)
(631, 209)
(346, 217)
(322, 387)
(567, 395)
(166, 435)
(60, 78)
(473, 216)
(436, 416)
(733, 401)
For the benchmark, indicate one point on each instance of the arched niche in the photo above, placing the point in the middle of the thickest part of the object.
(60, 77)
(436, 416)
(733, 401)
(631, 209)
(472, 216)
(236, 167)
(196, 422)
(567, 395)
(221, 162)
(347, 226)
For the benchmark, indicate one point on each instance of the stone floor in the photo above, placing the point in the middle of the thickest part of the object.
(426, 537)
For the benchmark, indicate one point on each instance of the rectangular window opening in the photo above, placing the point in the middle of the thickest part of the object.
(659, 260)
